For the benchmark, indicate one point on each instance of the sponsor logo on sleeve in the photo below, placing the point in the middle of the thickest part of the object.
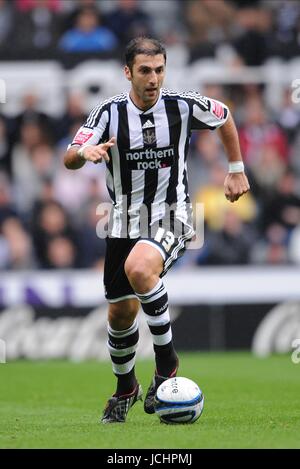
(217, 109)
(82, 137)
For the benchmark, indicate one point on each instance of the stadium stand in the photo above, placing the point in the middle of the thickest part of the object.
(50, 90)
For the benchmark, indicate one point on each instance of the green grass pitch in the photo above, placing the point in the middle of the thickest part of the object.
(249, 403)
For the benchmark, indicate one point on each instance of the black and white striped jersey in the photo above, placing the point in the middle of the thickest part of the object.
(148, 164)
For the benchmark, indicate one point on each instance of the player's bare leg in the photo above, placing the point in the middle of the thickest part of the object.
(122, 314)
(143, 268)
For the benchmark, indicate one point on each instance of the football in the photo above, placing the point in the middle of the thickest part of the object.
(179, 400)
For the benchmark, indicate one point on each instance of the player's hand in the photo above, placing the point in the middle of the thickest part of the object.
(98, 153)
(235, 185)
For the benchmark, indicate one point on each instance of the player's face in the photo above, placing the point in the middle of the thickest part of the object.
(147, 76)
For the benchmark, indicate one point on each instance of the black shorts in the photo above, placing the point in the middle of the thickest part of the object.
(116, 284)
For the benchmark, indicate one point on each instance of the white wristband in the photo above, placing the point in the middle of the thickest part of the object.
(81, 150)
(236, 167)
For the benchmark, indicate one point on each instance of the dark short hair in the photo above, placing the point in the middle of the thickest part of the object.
(143, 45)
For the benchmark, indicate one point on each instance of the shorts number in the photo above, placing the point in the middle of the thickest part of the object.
(169, 238)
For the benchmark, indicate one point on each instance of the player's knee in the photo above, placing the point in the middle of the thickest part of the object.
(137, 270)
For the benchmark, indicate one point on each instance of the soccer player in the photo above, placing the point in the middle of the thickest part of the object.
(143, 138)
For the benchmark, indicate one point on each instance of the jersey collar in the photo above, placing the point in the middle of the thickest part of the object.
(135, 109)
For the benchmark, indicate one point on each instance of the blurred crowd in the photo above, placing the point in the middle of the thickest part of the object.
(48, 214)
(253, 30)
(263, 227)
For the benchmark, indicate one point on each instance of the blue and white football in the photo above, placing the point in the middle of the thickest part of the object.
(179, 400)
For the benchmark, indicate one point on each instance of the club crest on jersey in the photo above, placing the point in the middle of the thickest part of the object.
(217, 109)
(149, 136)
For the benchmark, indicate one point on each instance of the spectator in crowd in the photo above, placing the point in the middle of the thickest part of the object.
(37, 25)
(259, 131)
(289, 115)
(46, 195)
(32, 160)
(52, 223)
(267, 170)
(31, 135)
(44, 162)
(32, 114)
(19, 250)
(207, 151)
(283, 207)
(61, 253)
(88, 35)
(166, 22)
(286, 38)
(208, 24)
(216, 206)
(230, 245)
(272, 248)
(74, 114)
(254, 39)
(71, 10)
(7, 19)
(128, 21)
(264, 145)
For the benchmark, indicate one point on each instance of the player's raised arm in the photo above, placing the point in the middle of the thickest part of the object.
(76, 156)
(88, 144)
(236, 182)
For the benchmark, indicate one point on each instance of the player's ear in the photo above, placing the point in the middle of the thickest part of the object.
(127, 72)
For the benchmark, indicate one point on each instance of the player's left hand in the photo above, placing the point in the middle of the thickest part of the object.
(235, 185)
